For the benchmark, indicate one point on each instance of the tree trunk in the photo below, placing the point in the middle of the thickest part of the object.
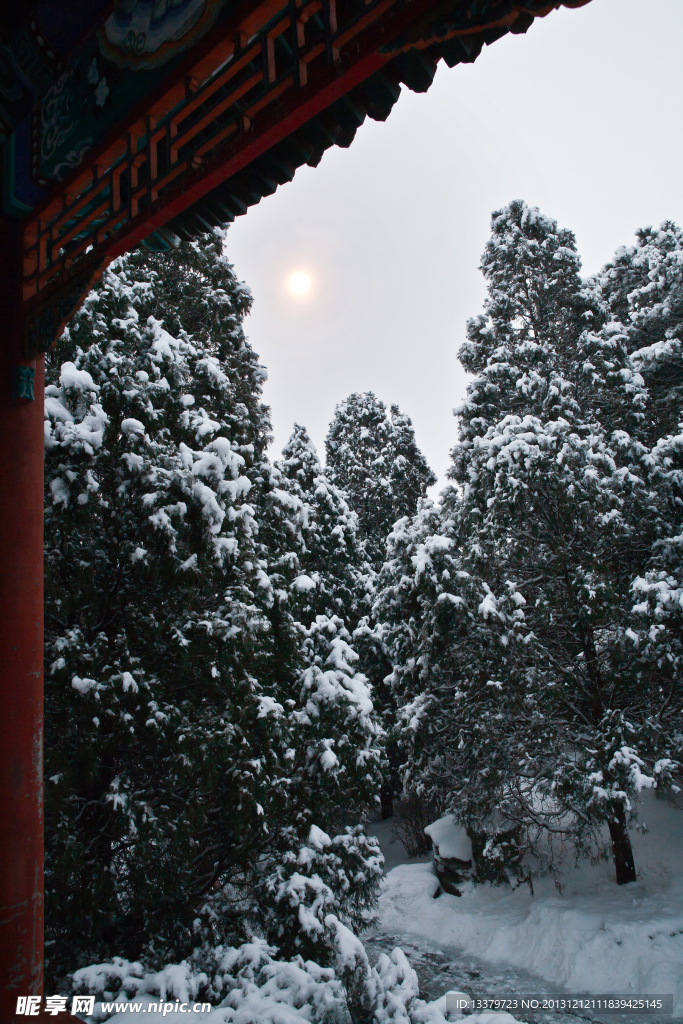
(387, 800)
(621, 847)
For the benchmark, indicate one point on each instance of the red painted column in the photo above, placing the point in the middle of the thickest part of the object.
(21, 653)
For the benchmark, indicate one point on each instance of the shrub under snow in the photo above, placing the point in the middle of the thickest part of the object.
(250, 986)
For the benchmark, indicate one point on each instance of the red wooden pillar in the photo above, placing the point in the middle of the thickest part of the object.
(21, 652)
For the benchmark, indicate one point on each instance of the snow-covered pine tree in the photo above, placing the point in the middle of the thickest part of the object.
(156, 626)
(194, 732)
(643, 289)
(374, 458)
(322, 585)
(332, 767)
(335, 579)
(557, 488)
(554, 503)
(453, 637)
(324, 864)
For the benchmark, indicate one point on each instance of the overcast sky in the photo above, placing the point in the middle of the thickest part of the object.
(581, 117)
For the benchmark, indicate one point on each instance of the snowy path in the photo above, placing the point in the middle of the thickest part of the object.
(442, 968)
(596, 937)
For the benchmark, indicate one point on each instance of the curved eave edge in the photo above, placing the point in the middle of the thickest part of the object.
(445, 34)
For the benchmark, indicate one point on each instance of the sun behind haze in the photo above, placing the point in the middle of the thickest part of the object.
(300, 284)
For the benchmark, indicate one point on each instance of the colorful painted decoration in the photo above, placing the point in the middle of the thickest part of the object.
(144, 34)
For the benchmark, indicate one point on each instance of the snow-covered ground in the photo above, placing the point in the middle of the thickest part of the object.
(594, 937)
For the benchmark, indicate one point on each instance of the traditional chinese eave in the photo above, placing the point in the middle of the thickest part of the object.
(195, 129)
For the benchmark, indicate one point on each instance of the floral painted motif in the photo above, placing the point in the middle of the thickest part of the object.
(148, 33)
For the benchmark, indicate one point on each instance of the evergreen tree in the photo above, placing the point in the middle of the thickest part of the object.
(195, 733)
(333, 771)
(374, 458)
(553, 516)
(326, 865)
(643, 289)
(454, 637)
(335, 578)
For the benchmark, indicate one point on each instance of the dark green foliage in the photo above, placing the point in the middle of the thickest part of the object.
(532, 700)
(643, 289)
(188, 731)
(499, 856)
(335, 578)
(375, 460)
